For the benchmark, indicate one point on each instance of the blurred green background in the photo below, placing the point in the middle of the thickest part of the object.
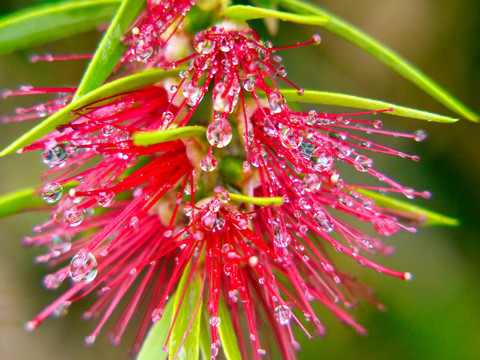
(436, 316)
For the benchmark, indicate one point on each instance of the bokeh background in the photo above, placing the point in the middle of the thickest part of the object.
(437, 315)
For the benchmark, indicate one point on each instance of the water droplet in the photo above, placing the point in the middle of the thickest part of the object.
(134, 222)
(363, 163)
(52, 281)
(290, 138)
(282, 238)
(312, 182)
(61, 310)
(214, 320)
(167, 117)
(56, 155)
(386, 226)
(249, 83)
(283, 314)
(209, 219)
(105, 198)
(275, 103)
(190, 187)
(377, 124)
(108, 130)
(192, 92)
(321, 161)
(228, 269)
(157, 315)
(60, 243)
(52, 192)
(219, 133)
(304, 204)
(409, 193)
(83, 267)
(89, 340)
(74, 216)
(420, 135)
(317, 39)
(203, 44)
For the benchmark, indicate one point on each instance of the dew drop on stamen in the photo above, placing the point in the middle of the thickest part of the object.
(283, 314)
(61, 310)
(83, 267)
(214, 320)
(202, 44)
(282, 238)
(89, 340)
(192, 92)
(60, 243)
(377, 124)
(74, 216)
(52, 192)
(134, 222)
(56, 155)
(167, 117)
(249, 83)
(363, 163)
(275, 103)
(420, 135)
(108, 130)
(312, 182)
(105, 198)
(409, 193)
(290, 139)
(157, 315)
(219, 133)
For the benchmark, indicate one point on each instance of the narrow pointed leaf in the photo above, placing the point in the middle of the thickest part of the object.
(40, 24)
(383, 53)
(64, 116)
(186, 314)
(205, 342)
(228, 336)
(110, 50)
(18, 201)
(262, 201)
(245, 12)
(426, 217)
(152, 347)
(25, 199)
(155, 137)
(329, 98)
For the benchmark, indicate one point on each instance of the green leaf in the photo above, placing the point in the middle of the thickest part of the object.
(426, 217)
(383, 53)
(18, 201)
(64, 116)
(244, 13)
(228, 337)
(158, 136)
(186, 314)
(40, 24)
(205, 342)
(152, 347)
(25, 199)
(329, 98)
(110, 49)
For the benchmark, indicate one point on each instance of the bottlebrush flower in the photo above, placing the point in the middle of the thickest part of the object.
(250, 209)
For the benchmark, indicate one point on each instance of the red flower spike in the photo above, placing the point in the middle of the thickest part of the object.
(138, 217)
